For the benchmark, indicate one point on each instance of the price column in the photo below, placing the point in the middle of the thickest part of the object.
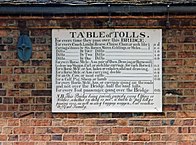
(157, 68)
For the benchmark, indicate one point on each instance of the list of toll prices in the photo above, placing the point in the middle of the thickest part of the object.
(106, 70)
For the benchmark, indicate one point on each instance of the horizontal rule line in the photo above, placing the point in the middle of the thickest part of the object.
(138, 73)
(120, 93)
(128, 80)
(125, 52)
(128, 55)
(128, 76)
(127, 59)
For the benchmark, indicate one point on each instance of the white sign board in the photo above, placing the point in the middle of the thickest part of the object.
(106, 70)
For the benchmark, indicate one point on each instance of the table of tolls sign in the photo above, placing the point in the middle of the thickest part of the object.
(106, 70)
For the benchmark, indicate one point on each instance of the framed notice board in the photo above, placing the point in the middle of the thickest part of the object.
(106, 70)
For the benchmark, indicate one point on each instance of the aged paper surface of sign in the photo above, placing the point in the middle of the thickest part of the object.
(106, 70)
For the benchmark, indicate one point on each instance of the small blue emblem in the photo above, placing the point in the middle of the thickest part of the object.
(24, 48)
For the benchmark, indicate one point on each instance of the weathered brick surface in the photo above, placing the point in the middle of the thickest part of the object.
(25, 89)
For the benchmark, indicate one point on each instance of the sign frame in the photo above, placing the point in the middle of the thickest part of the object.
(81, 44)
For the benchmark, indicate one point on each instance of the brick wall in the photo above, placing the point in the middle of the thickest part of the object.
(25, 88)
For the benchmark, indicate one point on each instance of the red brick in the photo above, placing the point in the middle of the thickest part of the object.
(14, 78)
(40, 70)
(13, 122)
(189, 39)
(139, 137)
(120, 130)
(187, 137)
(69, 137)
(3, 78)
(189, 92)
(3, 122)
(122, 143)
(122, 122)
(188, 47)
(41, 62)
(88, 143)
(138, 130)
(72, 115)
(170, 70)
(41, 48)
(73, 130)
(23, 100)
(174, 47)
(188, 107)
(39, 55)
(186, 114)
(3, 62)
(171, 55)
(172, 62)
(24, 70)
(172, 130)
(171, 107)
(155, 137)
(106, 122)
(24, 130)
(12, 137)
(40, 137)
(41, 122)
(89, 137)
(105, 130)
(56, 143)
(7, 70)
(40, 86)
(7, 114)
(158, 143)
(25, 122)
(3, 33)
(24, 85)
(41, 93)
(3, 137)
(185, 143)
(3, 107)
(103, 137)
(90, 122)
(187, 77)
(183, 130)
(170, 137)
(40, 32)
(2, 92)
(41, 130)
(186, 54)
(13, 107)
(156, 130)
(192, 129)
(57, 130)
(186, 100)
(190, 62)
(57, 137)
(187, 85)
(188, 122)
(169, 100)
(73, 122)
(139, 122)
(24, 143)
(13, 63)
(123, 137)
(172, 85)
